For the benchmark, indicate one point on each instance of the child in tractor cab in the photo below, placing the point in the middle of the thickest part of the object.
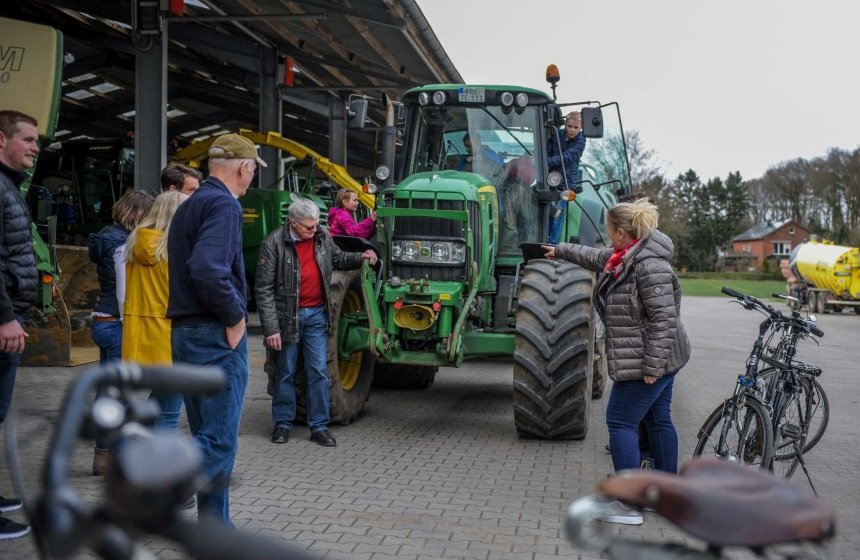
(564, 150)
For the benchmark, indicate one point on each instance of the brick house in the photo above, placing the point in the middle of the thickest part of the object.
(770, 240)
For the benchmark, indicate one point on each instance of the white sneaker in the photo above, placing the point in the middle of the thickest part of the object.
(616, 512)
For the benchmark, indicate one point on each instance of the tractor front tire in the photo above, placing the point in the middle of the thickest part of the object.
(554, 355)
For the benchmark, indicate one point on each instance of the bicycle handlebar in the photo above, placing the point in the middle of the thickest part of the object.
(60, 513)
(751, 302)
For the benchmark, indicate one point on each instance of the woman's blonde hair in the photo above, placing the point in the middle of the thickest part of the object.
(638, 218)
(158, 218)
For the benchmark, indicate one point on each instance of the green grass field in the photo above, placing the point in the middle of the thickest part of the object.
(711, 287)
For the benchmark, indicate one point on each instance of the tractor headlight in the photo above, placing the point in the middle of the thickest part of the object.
(382, 172)
(441, 252)
(411, 250)
(432, 252)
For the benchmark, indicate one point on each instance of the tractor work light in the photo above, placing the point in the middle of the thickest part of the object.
(430, 252)
(522, 99)
(382, 172)
(554, 179)
(507, 99)
(423, 98)
(439, 97)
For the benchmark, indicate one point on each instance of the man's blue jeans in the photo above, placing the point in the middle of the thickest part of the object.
(108, 337)
(214, 419)
(313, 341)
(632, 402)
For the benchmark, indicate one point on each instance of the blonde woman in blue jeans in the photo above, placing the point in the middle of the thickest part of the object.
(638, 297)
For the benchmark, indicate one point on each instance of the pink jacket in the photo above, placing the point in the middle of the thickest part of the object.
(342, 222)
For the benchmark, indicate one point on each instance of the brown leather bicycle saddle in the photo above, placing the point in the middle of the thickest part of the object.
(725, 504)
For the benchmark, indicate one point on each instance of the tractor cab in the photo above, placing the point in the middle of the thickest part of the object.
(496, 133)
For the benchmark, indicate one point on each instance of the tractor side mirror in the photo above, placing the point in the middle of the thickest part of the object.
(592, 122)
(357, 113)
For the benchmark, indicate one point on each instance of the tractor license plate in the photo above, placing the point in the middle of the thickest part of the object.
(471, 95)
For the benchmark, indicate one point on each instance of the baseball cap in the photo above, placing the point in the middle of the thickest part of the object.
(234, 146)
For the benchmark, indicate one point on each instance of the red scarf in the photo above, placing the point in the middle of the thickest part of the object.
(614, 264)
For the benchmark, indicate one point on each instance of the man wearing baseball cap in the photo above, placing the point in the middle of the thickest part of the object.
(208, 308)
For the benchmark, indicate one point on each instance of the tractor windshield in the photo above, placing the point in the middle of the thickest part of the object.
(499, 144)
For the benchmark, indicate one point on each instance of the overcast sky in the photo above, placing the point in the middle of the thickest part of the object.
(716, 86)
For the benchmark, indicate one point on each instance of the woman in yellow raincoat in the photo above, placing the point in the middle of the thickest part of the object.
(146, 328)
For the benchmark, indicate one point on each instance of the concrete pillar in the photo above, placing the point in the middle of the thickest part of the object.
(337, 130)
(150, 113)
(270, 117)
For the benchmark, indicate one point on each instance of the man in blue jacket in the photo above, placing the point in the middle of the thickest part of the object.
(563, 155)
(208, 308)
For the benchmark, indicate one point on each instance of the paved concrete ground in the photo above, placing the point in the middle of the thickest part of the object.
(441, 473)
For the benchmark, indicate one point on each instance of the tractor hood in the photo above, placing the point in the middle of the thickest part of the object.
(468, 185)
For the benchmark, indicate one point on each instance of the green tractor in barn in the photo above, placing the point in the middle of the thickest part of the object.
(462, 275)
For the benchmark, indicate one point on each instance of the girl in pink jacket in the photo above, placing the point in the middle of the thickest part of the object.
(341, 217)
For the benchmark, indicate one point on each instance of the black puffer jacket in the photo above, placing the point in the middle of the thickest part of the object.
(641, 309)
(102, 246)
(20, 286)
(279, 277)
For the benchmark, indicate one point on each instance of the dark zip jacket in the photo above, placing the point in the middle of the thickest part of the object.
(19, 288)
(279, 279)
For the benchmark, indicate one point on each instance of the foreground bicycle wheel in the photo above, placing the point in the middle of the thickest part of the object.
(738, 431)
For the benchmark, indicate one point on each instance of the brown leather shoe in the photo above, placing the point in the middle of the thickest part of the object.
(101, 460)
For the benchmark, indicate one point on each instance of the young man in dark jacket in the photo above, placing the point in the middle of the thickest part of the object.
(295, 308)
(208, 308)
(19, 146)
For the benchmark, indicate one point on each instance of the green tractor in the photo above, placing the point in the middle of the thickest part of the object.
(462, 273)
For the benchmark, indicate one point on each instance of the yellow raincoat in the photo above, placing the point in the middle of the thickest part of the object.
(145, 326)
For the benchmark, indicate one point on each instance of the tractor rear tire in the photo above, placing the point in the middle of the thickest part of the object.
(351, 378)
(408, 377)
(554, 354)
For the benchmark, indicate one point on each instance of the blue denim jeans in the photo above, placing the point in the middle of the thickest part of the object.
(313, 341)
(632, 402)
(556, 223)
(108, 337)
(171, 410)
(214, 419)
(8, 371)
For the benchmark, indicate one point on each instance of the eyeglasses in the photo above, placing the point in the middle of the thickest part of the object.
(309, 228)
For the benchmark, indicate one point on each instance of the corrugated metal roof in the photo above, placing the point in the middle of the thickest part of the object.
(362, 47)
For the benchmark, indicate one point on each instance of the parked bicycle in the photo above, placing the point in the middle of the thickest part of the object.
(721, 503)
(155, 472)
(777, 403)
